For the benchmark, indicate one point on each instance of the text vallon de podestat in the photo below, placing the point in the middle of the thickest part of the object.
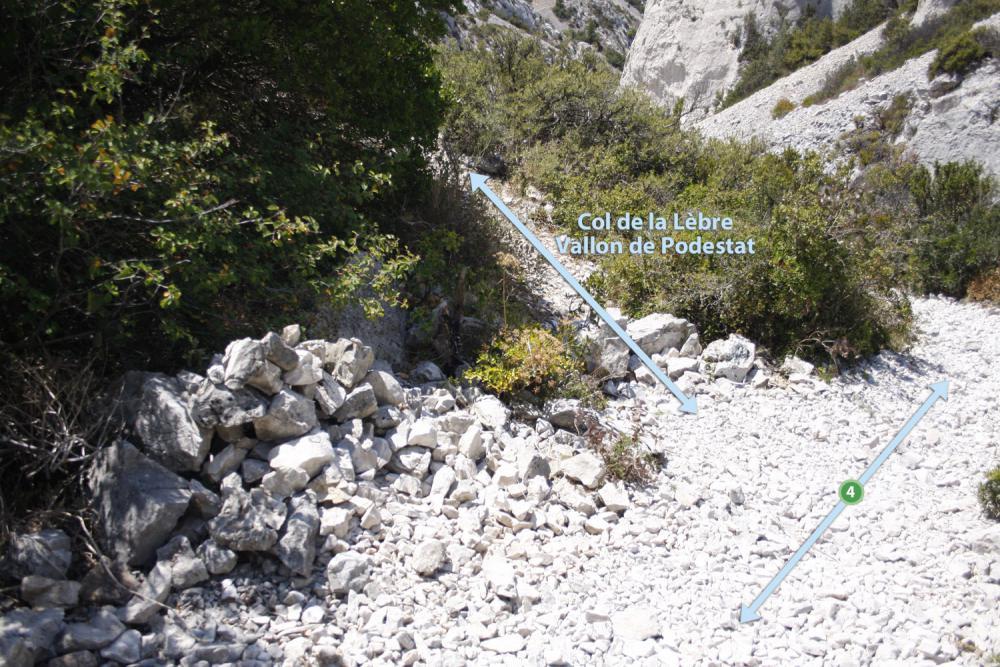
(653, 240)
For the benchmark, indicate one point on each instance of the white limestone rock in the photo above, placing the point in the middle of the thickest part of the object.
(428, 557)
(586, 468)
(731, 358)
(658, 332)
(289, 415)
(308, 453)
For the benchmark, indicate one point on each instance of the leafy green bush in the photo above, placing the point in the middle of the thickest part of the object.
(871, 139)
(196, 170)
(525, 361)
(782, 108)
(812, 287)
(989, 494)
(956, 234)
(615, 58)
(893, 117)
(958, 55)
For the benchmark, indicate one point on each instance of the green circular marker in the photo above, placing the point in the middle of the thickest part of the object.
(851, 492)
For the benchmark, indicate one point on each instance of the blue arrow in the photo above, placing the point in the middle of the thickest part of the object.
(749, 613)
(688, 404)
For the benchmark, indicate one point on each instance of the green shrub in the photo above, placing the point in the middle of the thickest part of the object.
(562, 11)
(871, 139)
(527, 362)
(811, 287)
(893, 117)
(989, 494)
(194, 171)
(615, 58)
(782, 108)
(956, 234)
(958, 55)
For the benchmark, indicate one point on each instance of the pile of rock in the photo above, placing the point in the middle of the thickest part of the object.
(283, 456)
(311, 464)
(674, 345)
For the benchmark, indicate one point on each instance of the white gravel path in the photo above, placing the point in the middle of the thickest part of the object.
(909, 576)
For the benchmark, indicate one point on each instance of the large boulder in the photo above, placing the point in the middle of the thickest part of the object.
(218, 405)
(349, 360)
(309, 370)
(150, 596)
(425, 372)
(358, 404)
(137, 501)
(310, 453)
(165, 427)
(428, 557)
(566, 413)
(187, 569)
(491, 412)
(607, 354)
(279, 352)
(244, 359)
(586, 468)
(731, 358)
(96, 632)
(411, 460)
(659, 332)
(289, 415)
(329, 396)
(386, 387)
(685, 50)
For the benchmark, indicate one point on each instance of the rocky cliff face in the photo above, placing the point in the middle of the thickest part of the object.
(950, 118)
(690, 48)
(605, 25)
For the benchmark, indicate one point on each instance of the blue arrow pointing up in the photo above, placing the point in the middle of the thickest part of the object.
(688, 403)
(749, 613)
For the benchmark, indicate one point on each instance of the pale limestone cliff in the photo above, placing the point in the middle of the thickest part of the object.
(690, 48)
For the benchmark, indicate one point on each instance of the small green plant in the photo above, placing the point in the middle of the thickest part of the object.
(615, 58)
(989, 494)
(893, 117)
(625, 457)
(527, 362)
(958, 55)
(562, 11)
(782, 108)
